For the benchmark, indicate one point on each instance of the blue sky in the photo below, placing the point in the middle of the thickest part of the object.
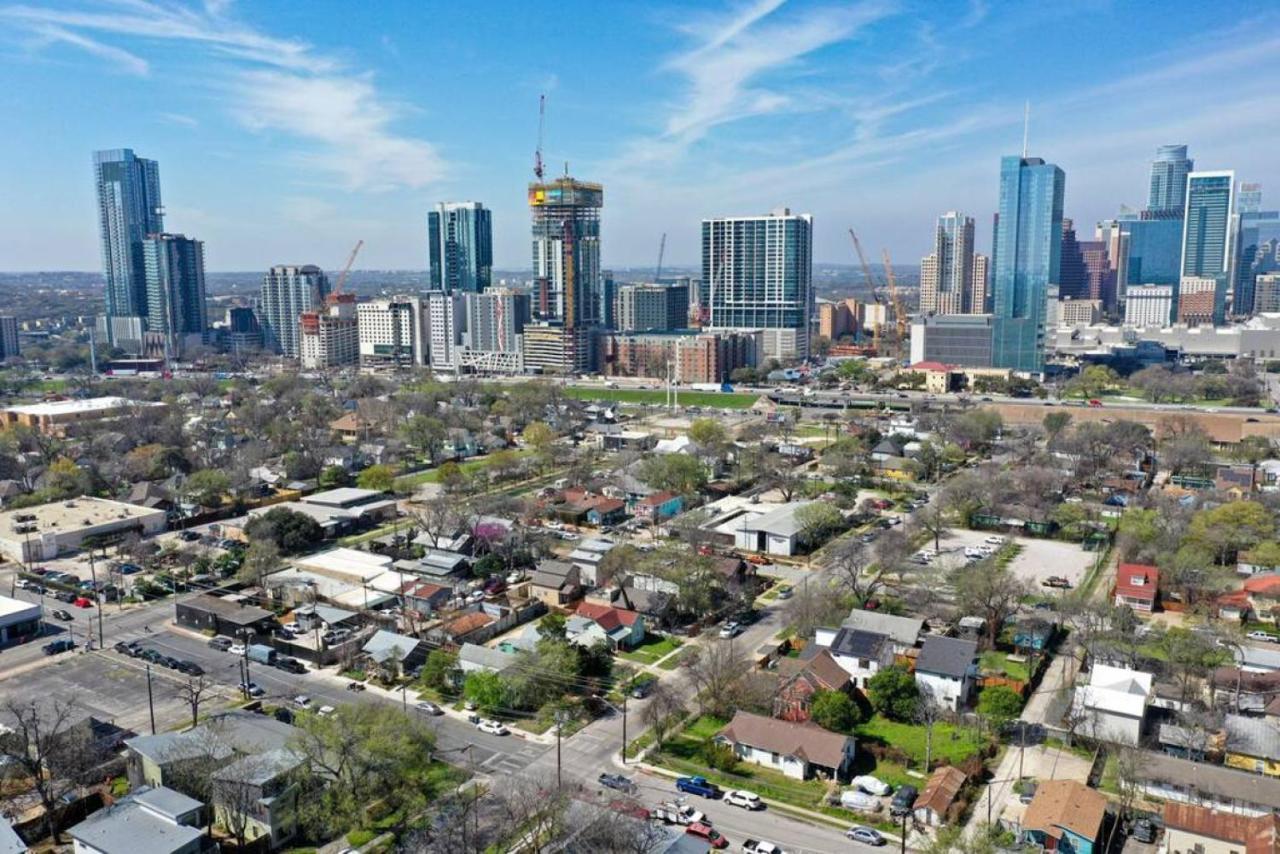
(287, 130)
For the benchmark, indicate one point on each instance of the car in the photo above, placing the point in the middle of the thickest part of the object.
(872, 785)
(188, 536)
(731, 629)
(1259, 636)
(230, 544)
(355, 686)
(1057, 581)
(23, 584)
(221, 642)
(190, 668)
(552, 524)
(428, 708)
(865, 835)
(130, 648)
(236, 649)
(289, 665)
(1143, 831)
(302, 701)
(325, 711)
(129, 569)
(253, 689)
(66, 596)
(61, 645)
(743, 798)
(867, 539)
(170, 662)
(698, 785)
(492, 727)
(82, 602)
(705, 831)
(617, 782)
(786, 591)
(994, 540)
(903, 801)
(569, 536)
(62, 614)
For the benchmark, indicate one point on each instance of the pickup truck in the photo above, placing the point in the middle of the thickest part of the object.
(759, 846)
(698, 786)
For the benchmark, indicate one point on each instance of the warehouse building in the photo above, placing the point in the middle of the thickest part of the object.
(48, 530)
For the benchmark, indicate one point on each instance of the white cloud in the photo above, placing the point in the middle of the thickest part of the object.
(283, 85)
(180, 119)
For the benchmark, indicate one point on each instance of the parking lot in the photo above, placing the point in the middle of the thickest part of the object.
(1037, 560)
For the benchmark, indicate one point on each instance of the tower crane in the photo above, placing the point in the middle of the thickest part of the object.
(662, 249)
(899, 316)
(351, 259)
(537, 154)
(871, 283)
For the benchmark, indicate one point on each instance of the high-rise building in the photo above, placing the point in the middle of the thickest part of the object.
(393, 331)
(174, 268)
(460, 238)
(1266, 297)
(1116, 242)
(1071, 279)
(244, 333)
(496, 319)
(446, 323)
(1202, 300)
(688, 355)
(1169, 173)
(639, 307)
(1026, 257)
(566, 251)
(1078, 312)
(329, 336)
(129, 209)
(1206, 228)
(759, 271)
(953, 339)
(1148, 305)
(287, 291)
(9, 337)
(1257, 232)
(838, 319)
(1154, 254)
(981, 302)
(946, 274)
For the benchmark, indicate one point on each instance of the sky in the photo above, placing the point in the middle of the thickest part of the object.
(285, 131)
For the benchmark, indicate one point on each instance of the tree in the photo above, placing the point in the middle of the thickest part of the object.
(192, 693)
(989, 590)
(206, 488)
(932, 519)
(440, 518)
(998, 705)
(440, 671)
(1226, 529)
(678, 473)
(290, 531)
(552, 627)
(235, 792)
(540, 438)
(834, 710)
(709, 434)
(1190, 656)
(378, 477)
(332, 477)
(487, 690)
(426, 433)
(850, 564)
(714, 669)
(1094, 381)
(659, 714)
(260, 560)
(1055, 423)
(893, 693)
(818, 521)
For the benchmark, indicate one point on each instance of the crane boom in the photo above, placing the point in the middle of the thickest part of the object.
(351, 259)
(866, 268)
(662, 249)
(537, 154)
(899, 316)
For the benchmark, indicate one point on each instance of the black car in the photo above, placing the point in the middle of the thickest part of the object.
(617, 782)
(190, 668)
(642, 688)
(290, 665)
(62, 614)
(55, 647)
(188, 536)
(1143, 831)
(65, 596)
(904, 800)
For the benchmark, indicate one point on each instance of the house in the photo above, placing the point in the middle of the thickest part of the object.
(658, 506)
(903, 632)
(261, 795)
(555, 583)
(1250, 563)
(948, 670)
(776, 532)
(351, 427)
(473, 658)
(933, 806)
(395, 653)
(859, 653)
(1252, 744)
(624, 629)
(1137, 586)
(1065, 816)
(1113, 706)
(1193, 829)
(1168, 778)
(152, 820)
(459, 629)
(798, 750)
(587, 557)
(425, 597)
(1243, 690)
(606, 511)
(819, 672)
(585, 632)
(223, 615)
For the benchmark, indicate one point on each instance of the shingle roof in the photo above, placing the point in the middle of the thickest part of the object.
(1137, 581)
(946, 656)
(1257, 737)
(384, 644)
(467, 623)
(129, 826)
(823, 670)
(1066, 804)
(904, 630)
(941, 790)
(486, 657)
(553, 573)
(609, 618)
(804, 740)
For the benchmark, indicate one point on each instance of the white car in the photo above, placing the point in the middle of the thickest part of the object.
(994, 540)
(1263, 636)
(492, 727)
(731, 629)
(552, 524)
(236, 649)
(872, 785)
(686, 814)
(743, 798)
(325, 711)
(292, 627)
(302, 701)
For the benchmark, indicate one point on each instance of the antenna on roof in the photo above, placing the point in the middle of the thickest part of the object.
(1026, 127)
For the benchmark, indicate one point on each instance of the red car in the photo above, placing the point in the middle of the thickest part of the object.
(709, 833)
(82, 603)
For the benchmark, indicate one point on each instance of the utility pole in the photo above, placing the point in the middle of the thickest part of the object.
(560, 715)
(904, 832)
(93, 575)
(151, 704)
(624, 724)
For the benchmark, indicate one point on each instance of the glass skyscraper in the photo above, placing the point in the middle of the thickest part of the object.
(460, 238)
(1207, 224)
(176, 307)
(129, 209)
(1027, 255)
(1169, 179)
(288, 291)
(566, 251)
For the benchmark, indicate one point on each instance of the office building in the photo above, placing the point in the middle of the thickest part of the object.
(1099, 273)
(953, 339)
(946, 274)
(1148, 305)
(556, 349)
(9, 337)
(244, 333)
(1169, 173)
(687, 356)
(446, 322)
(1206, 234)
(1256, 239)
(460, 238)
(1202, 300)
(566, 251)
(838, 319)
(1115, 241)
(57, 417)
(393, 331)
(1026, 258)
(329, 336)
(981, 302)
(1071, 279)
(609, 293)
(129, 209)
(1155, 252)
(174, 269)
(496, 319)
(1266, 295)
(48, 531)
(651, 306)
(1078, 312)
(760, 275)
(287, 291)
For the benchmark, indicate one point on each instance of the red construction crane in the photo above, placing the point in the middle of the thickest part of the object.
(342, 277)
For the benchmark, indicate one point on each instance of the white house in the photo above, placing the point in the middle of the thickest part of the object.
(904, 632)
(859, 653)
(948, 670)
(1113, 706)
(798, 750)
(776, 532)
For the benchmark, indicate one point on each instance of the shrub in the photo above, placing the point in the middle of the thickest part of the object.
(719, 757)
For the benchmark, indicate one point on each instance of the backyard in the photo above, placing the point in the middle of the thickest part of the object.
(654, 648)
(995, 663)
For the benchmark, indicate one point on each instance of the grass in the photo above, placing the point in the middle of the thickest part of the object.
(998, 664)
(674, 661)
(952, 743)
(654, 648)
(409, 482)
(657, 397)
(360, 838)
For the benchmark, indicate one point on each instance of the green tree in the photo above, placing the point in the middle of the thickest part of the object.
(260, 560)
(1056, 422)
(834, 710)
(709, 434)
(893, 693)
(451, 477)
(487, 690)
(332, 477)
(440, 670)
(552, 627)
(426, 433)
(379, 477)
(818, 521)
(998, 705)
(290, 531)
(65, 479)
(678, 473)
(1228, 528)
(541, 439)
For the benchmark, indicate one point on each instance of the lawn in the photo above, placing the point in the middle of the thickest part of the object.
(673, 662)
(409, 482)
(653, 649)
(995, 663)
(658, 397)
(952, 743)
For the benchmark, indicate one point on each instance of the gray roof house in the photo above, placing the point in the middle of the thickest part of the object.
(150, 821)
(263, 783)
(947, 670)
(555, 582)
(903, 631)
(473, 657)
(384, 646)
(775, 532)
(222, 736)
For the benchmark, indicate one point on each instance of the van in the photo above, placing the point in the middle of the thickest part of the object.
(562, 483)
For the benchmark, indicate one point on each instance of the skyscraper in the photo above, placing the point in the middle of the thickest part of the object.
(129, 209)
(638, 307)
(9, 337)
(946, 275)
(981, 284)
(1071, 278)
(1026, 257)
(1250, 256)
(1169, 179)
(759, 275)
(1206, 227)
(288, 291)
(174, 270)
(566, 251)
(460, 237)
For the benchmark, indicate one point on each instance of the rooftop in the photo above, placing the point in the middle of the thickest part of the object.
(947, 656)
(804, 740)
(129, 825)
(232, 611)
(1116, 690)
(1066, 804)
(345, 496)
(55, 408)
(781, 520)
(1137, 581)
(15, 607)
(903, 630)
(73, 515)
(1258, 834)
(856, 643)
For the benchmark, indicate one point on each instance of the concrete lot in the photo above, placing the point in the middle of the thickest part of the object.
(1037, 560)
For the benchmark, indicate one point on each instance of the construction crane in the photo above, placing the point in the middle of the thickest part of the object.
(537, 154)
(662, 248)
(342, 277)
(871, 283)
(899, 315)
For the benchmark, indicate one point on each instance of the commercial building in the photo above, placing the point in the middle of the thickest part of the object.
(838, 319)
(329, 336)
(1207, 228)
(55, 416)
(759, 275)
(1169, 173)
(947, 274)
(129, 209)
(1266, 293)
(1148, 305)
(566, 251)
(690, 355)
(393, 331)
(495, 320)
(460, 247)
(174, 269)
(961, 339)
(48, 530)
(552, 348)
(1079, 312)
(446, 323)
(1026, 257)
(641, 307)
(1202, 300)
(1154, 252)
(243, 330)
(1258, 234)
(9, 337)
(288, 291)
(1257, 338)
(19, 620)
(981, 284)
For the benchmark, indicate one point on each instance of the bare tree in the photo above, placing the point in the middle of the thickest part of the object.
(851, 565)
(714, 669)
(46, 742)
(614, 829)
(989, 590)
(192, 693)
(660, 711)
(531, 813)
(235, 790)
(932, 519)
(928, 713)
(438, 517)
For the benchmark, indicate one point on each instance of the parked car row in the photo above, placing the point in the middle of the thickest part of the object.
(134, 649)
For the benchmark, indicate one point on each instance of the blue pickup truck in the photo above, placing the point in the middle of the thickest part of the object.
(698, 786)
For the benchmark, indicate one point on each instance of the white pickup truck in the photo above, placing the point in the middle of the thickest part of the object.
(759, 846)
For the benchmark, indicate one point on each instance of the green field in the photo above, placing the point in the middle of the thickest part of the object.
(954, 744)
(657, 397)
(408, 482)
(998, 664)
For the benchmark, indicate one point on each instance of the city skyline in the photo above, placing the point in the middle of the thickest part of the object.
(285, 141)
